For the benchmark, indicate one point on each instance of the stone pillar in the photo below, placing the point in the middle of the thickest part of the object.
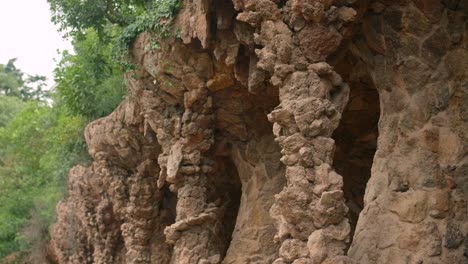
(296, 40)
(142, 214)
(195, 234)
(310, 210)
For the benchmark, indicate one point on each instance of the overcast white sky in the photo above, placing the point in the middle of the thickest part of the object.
(27, 33)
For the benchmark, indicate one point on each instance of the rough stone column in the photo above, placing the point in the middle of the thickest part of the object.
(195, 233)
(416, 199)
(141, 214)
(310, 211)
(106, 231)
(113, 203)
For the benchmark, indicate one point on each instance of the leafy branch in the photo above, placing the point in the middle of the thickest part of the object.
(158, 20)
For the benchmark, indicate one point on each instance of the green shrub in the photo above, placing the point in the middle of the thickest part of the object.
(9, 107)
(89, 83)
(37, 148)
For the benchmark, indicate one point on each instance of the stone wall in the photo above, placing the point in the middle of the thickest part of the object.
(226, 147)
(416, 53)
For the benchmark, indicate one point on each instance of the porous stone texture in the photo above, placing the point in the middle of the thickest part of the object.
(415, 205)
(224, 149)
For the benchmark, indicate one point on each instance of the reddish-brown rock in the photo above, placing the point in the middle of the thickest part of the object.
(253, 141)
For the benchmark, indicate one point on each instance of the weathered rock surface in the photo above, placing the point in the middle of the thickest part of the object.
(252, 140)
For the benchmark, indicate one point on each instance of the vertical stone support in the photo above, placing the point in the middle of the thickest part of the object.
(310, 210)
(141, 214)
(195, 233)
(296, 40)
(106, 232)
(114, 203)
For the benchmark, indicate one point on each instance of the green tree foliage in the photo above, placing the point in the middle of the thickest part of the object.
(9, 107)
(90, 83)
(39, 143)
(75, 16)
(156, 19)
(14, 83)
(37, 147)
(126, 17)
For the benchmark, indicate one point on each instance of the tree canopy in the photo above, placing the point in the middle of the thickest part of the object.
(14, 82)
(77, 16)
(39, 141)
(90, 82)
(117, 22)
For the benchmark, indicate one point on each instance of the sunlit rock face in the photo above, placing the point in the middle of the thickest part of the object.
(300, 131)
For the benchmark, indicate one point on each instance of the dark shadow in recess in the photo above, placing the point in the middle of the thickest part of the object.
(356, 137)
(226, 194)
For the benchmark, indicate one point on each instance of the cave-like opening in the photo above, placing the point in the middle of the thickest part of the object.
(227, 195)
(356, 136)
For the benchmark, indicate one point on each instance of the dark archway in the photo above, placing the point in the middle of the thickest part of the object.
(356, 136)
